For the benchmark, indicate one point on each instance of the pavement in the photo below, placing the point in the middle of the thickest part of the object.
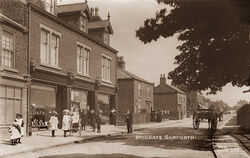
(41, 140)
(229, 141)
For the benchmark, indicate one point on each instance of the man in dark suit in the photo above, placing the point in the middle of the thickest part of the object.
(129, 121)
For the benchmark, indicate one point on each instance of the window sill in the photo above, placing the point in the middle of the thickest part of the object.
(9, 69)
(82, 75)
(109, 82)
(51, 66)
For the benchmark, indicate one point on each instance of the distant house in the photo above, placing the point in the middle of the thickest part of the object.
(170, 99)
(134, 93)
(195, 99)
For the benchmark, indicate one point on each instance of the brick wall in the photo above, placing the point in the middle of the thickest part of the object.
(146, 102)
(97, 34)
(125, 96)
(73, 19)
(20, 48)
(15, 10)
(68, 48)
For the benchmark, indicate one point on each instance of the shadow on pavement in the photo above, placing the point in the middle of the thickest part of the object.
(200, 139)
(93, 156)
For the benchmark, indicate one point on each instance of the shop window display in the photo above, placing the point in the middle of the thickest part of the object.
(43, 103)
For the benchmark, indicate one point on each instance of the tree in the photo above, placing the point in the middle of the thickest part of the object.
(215, 35)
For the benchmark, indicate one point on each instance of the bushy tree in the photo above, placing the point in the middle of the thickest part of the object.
(215, 47)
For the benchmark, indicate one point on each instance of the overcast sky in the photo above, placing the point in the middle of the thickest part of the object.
(150, 60)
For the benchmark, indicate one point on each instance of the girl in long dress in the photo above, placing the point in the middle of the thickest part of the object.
(20, 123)
(66, 123)
(53, 123)
(14, 133)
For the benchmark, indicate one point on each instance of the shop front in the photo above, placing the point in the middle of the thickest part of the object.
(13, 100)
(78, 100)
(43, 102)
(103, 101)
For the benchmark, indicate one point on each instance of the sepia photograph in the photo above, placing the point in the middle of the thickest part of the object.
(124, 78)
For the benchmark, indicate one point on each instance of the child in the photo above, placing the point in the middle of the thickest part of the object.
(53, 122)
(14, 133)
(66, 122)
(20, 123)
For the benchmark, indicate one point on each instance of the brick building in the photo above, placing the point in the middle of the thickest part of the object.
(170, 99)
(69, 68)
(14, 77)
(195, 99)
(134, 93)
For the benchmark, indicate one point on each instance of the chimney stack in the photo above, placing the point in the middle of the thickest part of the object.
(163, 79)
(96, 11)
(92, 11)
(121, 62)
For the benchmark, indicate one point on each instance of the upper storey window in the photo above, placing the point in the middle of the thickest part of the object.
(7, 54)
(83, 24)
(49, 6)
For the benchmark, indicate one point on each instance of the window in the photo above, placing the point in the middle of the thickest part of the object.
(106, 68)
(49, 47)
(148, 92)
(83, 59)
(106, 38)
(83, 24)
(10, 103)
(139, 90)
(49, 6)
(7, 57)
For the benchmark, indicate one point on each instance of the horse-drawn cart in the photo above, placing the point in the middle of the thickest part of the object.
(205, 114)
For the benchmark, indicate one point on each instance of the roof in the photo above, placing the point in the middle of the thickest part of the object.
(175, 88)
(163, 87)
(71, 7)
(74, 7)
(70, 27)
(123, 74)
(100, 24)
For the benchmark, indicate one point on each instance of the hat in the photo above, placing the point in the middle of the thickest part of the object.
(54, 113)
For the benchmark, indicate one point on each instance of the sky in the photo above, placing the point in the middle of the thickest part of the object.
(151, 60)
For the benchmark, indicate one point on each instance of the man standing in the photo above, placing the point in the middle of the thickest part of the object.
(98, 121)
(129, 121)
(92, 119)
(113, 116)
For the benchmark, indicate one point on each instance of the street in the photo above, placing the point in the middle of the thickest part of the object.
(168, 140)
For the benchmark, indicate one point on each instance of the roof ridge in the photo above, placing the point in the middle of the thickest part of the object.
(72, 3)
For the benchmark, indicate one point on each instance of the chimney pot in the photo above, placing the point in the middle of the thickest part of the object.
(121, 62)
(163, 79)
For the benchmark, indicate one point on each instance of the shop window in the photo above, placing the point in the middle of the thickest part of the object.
(10, 104)
(78, 100)
(43, 102)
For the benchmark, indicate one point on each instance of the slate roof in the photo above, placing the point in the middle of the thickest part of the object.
(161, 87)
(71, 7)
(100, 24)
(123, 74)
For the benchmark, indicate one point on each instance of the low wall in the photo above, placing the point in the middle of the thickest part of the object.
(137, 118)
(243, 117)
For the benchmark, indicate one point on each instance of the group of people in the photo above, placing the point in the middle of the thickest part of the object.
(16, 130)
(77, 120)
